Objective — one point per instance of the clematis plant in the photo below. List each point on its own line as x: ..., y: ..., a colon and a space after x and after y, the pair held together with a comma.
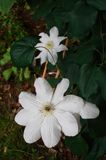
x: 50, y: 46
x: 49, y: 112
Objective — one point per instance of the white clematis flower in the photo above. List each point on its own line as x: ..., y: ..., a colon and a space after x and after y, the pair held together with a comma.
x: 49, y: 112
x: 50, y: 45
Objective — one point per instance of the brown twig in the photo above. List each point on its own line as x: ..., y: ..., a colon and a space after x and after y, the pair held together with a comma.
x: 45, y: 69
x: 57, y: 73
x: 66, y: 44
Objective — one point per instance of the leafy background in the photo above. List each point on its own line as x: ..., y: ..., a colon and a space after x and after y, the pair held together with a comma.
x: 84, y: 23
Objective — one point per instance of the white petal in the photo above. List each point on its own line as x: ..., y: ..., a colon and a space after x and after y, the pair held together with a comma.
x: 23, y: 117
x: 28, y: 101
x: 39, y: 56
x: 61, y: 48
x: 60, y: 90
x: 50, y: 131
x: 44, y: 37
x: 54, y: 32
x: 43, y: 89
x: 57, y: 40
x: 77, y: 116
x: 40, y: 46
x: 52, y: 58
x: 61, y: 38
x: 68, y: 123
x: 89, y: 111
x: 42, y: 56
x: 71, y: 103
x: 32, y: 131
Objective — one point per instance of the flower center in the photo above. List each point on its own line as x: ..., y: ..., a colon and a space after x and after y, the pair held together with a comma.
x: 47, y: 109
x: 49, y: 45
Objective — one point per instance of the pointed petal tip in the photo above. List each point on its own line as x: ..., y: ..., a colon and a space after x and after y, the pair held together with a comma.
x: 41, y: 34
x: 60, y: 90
x: 39, y: 56
x: 61, y: 48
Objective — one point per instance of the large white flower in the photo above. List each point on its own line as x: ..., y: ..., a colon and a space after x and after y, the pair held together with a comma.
x: 50, y: 45
x: 49, y: 112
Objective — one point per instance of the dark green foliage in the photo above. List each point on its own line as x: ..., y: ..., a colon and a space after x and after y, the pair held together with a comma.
x: 87, y: 80
x: 99, y: 4
x: 98, y: 149
x: 102, y: 80
x: 97, y: 126
x: 5, y: 5
x: 76, y: 16
x: 84, y: 64
x: 23, y: 52
x: 72, y: 72
x: 85, y: 55
x: 82, y: 18
x: 78, y: 145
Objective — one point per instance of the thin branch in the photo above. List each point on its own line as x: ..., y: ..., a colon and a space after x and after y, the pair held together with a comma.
x: 45, y: 69
x: 66, y: 44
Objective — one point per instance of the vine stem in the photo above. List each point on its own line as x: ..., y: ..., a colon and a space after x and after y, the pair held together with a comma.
x: 45, y: 69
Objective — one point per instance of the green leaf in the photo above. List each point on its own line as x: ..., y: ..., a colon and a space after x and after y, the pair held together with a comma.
x: 82, y: 18
x: 7, y: 74
x: 99, y: 129
x: 70, y: 69
x: 99, y: 4
x: 14, y: 69
x: 42, y: 8
x: 5, y: 5
x: 102, y: 80
x: 27, y: 73
x: 87, y: 81
x: 98, y: 149
x: 59, y: 15
x: 22, y: 52
x: 21, y: 74
x: 84, y: 55
x: 6, y: 58
x: 45, y: 8
x: 77, y: 145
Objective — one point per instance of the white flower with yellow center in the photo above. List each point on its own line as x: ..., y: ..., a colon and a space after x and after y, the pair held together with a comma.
x: 49, y: 112
x: 50, y: 45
